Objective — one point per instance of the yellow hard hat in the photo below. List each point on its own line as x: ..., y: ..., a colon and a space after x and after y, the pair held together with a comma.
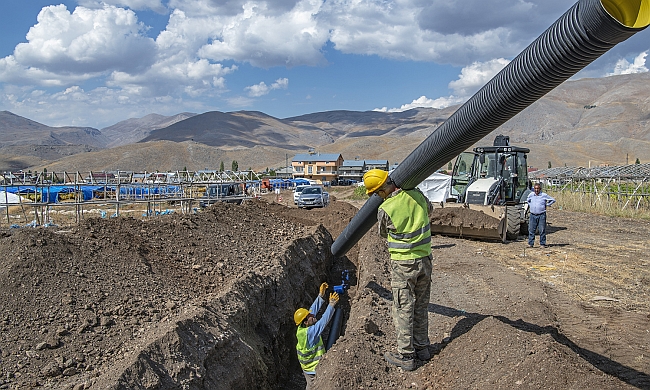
x: 300, y: 315
x: 374, y: 179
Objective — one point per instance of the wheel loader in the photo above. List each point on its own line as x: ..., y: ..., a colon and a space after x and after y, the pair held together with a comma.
x: 488, y: 195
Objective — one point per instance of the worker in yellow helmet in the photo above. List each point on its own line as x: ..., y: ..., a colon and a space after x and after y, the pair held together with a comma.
x: 310, y: 347
x: 404, y: 221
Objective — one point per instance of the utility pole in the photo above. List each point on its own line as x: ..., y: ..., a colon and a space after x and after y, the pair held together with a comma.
x: 286, y: 162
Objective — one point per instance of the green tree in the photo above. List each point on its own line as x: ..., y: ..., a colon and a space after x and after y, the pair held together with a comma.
x: 235, y: 166
x: 637, y: 161
x: 549, y: 165
x: 449, y: 166
x: 221, y: 167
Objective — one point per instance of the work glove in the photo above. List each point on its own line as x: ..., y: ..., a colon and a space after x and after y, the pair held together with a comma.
x: 334, y: 299
x: 323, y: 289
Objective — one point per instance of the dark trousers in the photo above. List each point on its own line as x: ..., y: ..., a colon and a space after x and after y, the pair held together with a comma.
x: 537, y: 222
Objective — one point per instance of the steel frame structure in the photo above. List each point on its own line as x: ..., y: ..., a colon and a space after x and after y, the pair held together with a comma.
x: 627, y: 185
x: 179, y: 188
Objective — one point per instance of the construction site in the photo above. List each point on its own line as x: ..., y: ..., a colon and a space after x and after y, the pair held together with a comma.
x: 205, y: 301
x: 204, y: 298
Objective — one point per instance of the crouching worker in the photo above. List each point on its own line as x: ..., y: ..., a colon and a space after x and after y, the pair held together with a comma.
x: 310, y: 347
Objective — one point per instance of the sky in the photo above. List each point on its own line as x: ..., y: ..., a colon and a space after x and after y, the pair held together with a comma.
x: 95, y: 63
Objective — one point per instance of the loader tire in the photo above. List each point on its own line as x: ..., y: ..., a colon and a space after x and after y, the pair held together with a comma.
x: 513, y: 214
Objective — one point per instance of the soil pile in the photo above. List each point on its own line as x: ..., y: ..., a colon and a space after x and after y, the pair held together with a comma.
x: 205, y: 301
x: 457, y: 216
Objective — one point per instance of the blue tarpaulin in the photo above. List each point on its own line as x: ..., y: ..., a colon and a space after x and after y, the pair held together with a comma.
x: 50, y: 194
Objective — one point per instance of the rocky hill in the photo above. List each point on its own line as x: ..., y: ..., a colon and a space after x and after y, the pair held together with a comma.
x: 580, y: 123
x: 16, y: 130
x: 134, y: 129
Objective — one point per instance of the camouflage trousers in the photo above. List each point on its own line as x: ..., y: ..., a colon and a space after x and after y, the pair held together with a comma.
x: 411, y: 285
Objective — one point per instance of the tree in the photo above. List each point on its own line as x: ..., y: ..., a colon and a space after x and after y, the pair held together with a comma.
x: 449, y: 166
x: 549, y: 165
x: 637, y: 161
x: 235, y: 166
x: 221, y: 167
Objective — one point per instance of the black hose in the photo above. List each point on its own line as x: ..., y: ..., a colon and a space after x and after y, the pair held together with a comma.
x: 577, y: 38
x: 335, y: 329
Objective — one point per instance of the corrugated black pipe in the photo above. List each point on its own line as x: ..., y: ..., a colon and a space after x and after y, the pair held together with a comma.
x: 577, y: 38
x: 335, y: 329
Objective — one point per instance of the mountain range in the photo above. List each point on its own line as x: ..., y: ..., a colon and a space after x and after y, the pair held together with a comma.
x: 580, y: 123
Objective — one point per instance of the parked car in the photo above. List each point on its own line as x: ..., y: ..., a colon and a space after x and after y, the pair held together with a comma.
x: 297, y: 191
x: 223, y: 192
x: 313, y: 196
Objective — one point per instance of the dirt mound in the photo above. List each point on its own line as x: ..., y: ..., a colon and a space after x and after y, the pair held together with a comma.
x: 205, y: 301
x: 458, y: 216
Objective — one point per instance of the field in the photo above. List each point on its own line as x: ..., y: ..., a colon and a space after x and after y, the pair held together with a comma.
x: 204, y: 301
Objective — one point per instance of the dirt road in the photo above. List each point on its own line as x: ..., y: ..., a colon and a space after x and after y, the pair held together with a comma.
x: 204, y: 301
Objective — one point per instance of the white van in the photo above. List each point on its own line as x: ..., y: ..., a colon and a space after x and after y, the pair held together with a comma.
x: 297, y: 191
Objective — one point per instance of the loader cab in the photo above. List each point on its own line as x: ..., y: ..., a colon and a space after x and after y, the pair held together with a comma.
x: 491, y: 175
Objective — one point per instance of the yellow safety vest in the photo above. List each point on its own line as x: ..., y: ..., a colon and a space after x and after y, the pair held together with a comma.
x: 308, y: 357
x: 411, y: 239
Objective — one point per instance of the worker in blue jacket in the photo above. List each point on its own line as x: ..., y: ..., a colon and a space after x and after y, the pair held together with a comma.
x: 310, y: 347
x: 537, y: 203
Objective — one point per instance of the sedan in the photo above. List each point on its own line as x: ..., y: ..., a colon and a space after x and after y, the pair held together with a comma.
x: 313, y: 196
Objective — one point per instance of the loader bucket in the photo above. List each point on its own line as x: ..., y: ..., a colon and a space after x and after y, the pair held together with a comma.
x: 470, y: 221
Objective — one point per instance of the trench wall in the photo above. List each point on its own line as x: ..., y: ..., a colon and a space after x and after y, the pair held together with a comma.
x: 242, y: 338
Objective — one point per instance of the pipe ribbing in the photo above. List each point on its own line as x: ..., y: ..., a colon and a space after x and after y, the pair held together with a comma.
x: 585, y: 32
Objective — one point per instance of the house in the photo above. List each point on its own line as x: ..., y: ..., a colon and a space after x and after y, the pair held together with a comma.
x: 284, y: 173
x: 376, y: 164
x: 317, y: 166
x: 351, y: 170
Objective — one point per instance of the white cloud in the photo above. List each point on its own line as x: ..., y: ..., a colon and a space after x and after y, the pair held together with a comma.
x: 442, y: 31
x: 425, y: 102
x: 85, y: 42
x: 154, y: 5
x: 473, y: 77
x: 262, y: 89
x: 265, y: 39
x: 205, y: 41
x: 99, y: 107
x: 470, y: 80
x: 624, y: 67
x: 171, y: 77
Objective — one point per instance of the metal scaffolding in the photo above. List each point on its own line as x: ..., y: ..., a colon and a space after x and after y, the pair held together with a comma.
x: 626, y: 186
x: 39, y: 193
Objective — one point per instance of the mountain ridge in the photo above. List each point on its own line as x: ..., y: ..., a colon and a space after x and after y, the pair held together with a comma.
x: 581, y: 122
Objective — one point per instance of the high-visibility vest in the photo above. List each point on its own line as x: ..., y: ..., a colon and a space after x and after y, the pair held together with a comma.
x: 411, y: 239
x: 308, y: 357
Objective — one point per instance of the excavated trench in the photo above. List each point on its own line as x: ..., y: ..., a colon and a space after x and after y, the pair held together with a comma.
x: 242, y: 337
x: 203, y: 301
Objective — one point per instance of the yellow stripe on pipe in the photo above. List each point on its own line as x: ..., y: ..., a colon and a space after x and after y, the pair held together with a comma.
x: 630, y: 13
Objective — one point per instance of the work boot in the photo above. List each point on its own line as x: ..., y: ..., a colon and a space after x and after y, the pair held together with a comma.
x: 423, y: 354
x: 406, y: 362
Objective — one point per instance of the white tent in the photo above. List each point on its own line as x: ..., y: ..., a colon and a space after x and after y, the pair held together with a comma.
x: 9, y: 198
x: 436, y: 187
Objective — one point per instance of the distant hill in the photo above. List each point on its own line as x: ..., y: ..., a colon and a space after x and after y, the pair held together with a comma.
x: 168, y: 155
x: 580, y: 123
x: 16, y: 130
x: 135, y: 129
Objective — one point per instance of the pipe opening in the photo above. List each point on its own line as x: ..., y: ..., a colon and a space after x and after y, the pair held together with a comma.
x: 630, y: 13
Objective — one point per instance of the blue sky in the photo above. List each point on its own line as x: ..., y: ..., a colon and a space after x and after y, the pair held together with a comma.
x: 95, y: 63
